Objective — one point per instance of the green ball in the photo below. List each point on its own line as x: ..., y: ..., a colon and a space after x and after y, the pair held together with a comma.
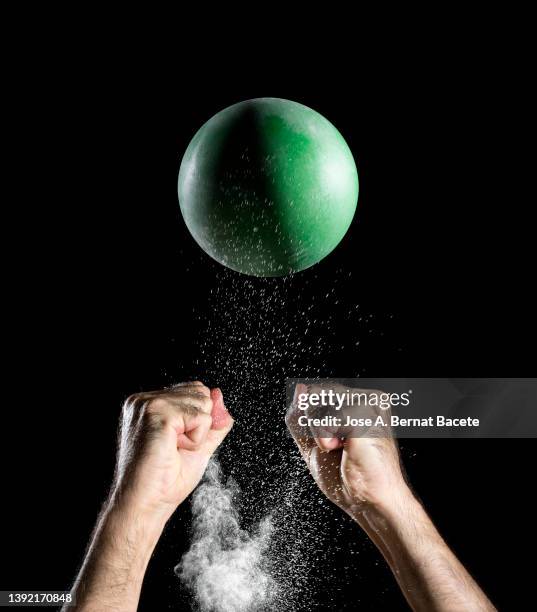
x: 268, y: 187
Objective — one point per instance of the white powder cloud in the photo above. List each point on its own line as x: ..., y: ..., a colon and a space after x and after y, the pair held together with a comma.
x: 226, y: 567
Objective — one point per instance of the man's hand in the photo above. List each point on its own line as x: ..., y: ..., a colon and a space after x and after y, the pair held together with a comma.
x: 357, y: 474
x: 363, y: 476
x: 166, y: 440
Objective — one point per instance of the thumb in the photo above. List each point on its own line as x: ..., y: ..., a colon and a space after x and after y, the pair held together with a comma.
x: 222, y: 421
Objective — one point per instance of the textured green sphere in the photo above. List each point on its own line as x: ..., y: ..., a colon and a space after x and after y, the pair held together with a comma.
x: 268, y: 187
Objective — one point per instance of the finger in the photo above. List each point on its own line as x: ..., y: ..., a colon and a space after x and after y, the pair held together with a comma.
x: 190, y: 400
x: 193, y: 434
x: 188, y: 383
x: 186, y: 426
x: 171, y: 410
x: 196, y: 388
x: 222, y: 421
x: 329, y: 444
x: 325, y: 442
x: 304, y: 442
x: 192, y: 387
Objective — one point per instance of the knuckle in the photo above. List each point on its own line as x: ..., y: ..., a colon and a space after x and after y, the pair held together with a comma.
x: 207, y: 403
x: 201, y: 387
x: 156, y: 421
x: 203, y: 390
x: 188, y: 409
x: 157, y: 405
x: 192, y: 387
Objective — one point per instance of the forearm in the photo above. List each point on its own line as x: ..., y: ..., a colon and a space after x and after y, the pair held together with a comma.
x: 112, y: 574
x: 165, y: 441
x: 429, y: 574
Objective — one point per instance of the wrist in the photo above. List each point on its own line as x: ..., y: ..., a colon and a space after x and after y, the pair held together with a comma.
x: 395, y: 518
x: 133, y: 500
x: 387, y: 506
x: 141, y: 523
x: 399, y: 507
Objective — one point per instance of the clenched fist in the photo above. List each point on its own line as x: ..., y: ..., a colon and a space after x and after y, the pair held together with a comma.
x: 356, y: 473
x: 166, y: 440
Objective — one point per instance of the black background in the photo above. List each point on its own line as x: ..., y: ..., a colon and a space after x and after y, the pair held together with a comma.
x: 107, y: 293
